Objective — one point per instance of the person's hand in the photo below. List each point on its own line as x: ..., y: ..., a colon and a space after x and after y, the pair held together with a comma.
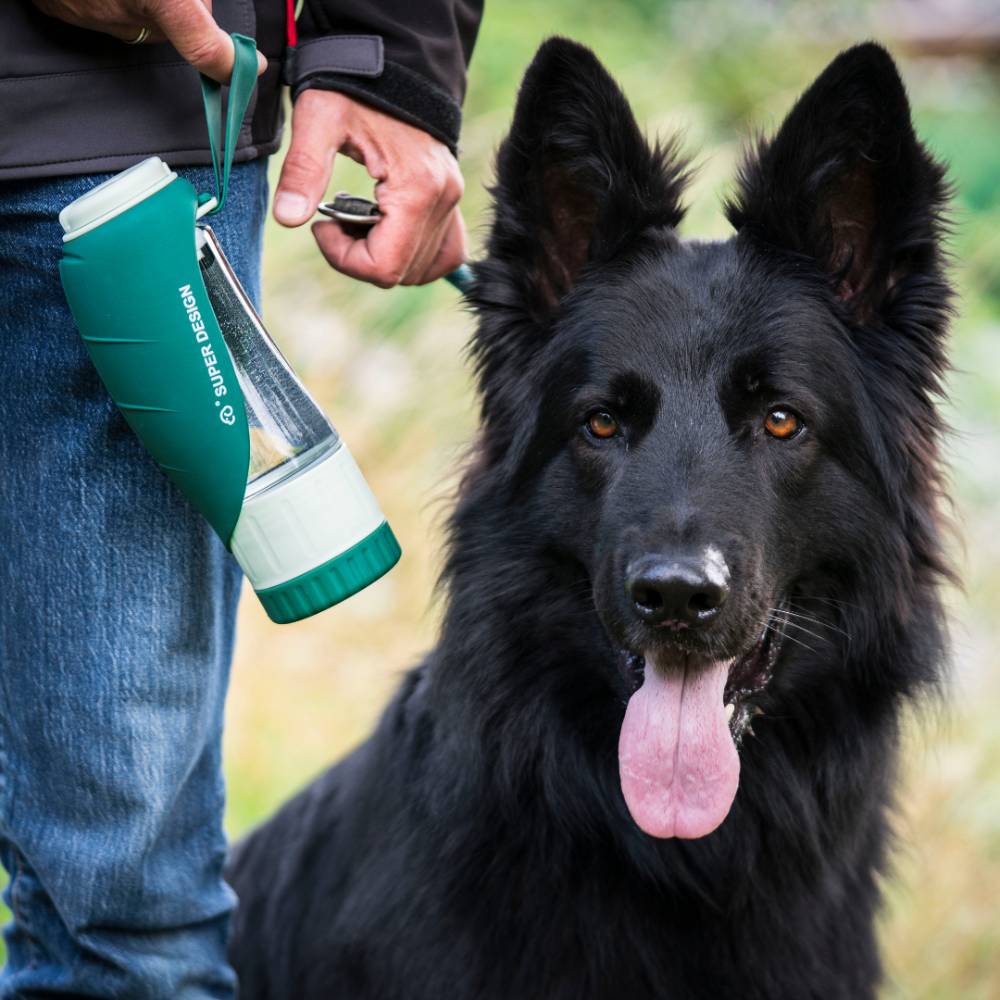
x: 187, y: 24
x: 418, y: 185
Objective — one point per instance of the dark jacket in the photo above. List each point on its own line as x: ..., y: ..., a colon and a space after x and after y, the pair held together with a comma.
x: 75, y: 101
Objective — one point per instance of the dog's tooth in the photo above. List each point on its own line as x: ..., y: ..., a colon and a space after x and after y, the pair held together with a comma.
x: 730, y: 708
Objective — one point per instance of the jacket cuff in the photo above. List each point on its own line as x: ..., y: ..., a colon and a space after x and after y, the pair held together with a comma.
x: 356, y: 65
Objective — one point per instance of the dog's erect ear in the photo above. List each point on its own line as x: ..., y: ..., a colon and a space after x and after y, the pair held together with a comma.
x: 575, y: 177
x: 846, y: 183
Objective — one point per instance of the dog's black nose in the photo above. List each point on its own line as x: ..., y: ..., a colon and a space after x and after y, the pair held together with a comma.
x: 677, y: 593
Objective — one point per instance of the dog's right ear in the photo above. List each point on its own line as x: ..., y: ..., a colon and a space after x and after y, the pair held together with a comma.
x: 576, y: 180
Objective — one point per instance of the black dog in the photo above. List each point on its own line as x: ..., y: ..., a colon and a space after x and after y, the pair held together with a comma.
x: 698, y: 549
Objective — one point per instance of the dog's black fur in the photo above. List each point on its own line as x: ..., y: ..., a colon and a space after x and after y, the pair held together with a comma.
x: 478, y: 847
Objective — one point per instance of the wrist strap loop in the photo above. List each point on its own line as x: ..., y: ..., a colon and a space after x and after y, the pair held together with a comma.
x: 241, y: 85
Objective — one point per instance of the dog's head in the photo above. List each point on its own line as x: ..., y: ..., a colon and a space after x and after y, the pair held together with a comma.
x: 727, y: 440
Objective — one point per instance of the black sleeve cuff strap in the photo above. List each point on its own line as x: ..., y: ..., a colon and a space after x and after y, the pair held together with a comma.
x: 360, y: 55
x: 355, y: 65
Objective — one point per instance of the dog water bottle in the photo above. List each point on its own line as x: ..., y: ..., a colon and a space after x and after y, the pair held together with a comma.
x: 187, y: 359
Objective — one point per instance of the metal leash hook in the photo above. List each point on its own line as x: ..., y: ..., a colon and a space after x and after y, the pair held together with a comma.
x: 351, y: 208
x: 354, y: 210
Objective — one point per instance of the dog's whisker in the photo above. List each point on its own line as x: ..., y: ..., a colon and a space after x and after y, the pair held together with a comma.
x: 802, y: 628
x: 793, y: 624
x: 798, y: 642
x: 780, y: 631
x: 814, y: 620
x: 789, y: 615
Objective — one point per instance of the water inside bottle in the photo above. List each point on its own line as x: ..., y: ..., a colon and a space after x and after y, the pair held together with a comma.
x: 288, y: 431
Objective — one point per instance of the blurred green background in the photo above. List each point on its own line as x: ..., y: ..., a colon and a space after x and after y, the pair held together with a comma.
x: 389, y: 368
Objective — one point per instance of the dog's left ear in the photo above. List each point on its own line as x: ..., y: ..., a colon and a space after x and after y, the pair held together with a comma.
x: 846, y: 183
x: 576, y: 179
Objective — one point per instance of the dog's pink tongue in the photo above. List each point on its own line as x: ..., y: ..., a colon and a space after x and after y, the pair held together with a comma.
x: 679, y: 767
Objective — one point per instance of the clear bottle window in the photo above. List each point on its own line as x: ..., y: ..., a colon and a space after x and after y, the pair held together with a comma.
x: 288, y: 431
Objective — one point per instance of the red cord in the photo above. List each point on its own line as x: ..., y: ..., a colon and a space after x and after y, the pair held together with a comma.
x: 291, y: 31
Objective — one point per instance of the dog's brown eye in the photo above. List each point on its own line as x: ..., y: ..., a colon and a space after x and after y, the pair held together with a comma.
x: 782, y: 424
x: 602, y: 424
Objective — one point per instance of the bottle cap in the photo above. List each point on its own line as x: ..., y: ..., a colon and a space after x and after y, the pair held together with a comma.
x: 314, y: 539
x: 335, y: 580
x: 114, y: 196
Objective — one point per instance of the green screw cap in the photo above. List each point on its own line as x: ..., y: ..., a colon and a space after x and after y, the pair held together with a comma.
x: 333, y: 581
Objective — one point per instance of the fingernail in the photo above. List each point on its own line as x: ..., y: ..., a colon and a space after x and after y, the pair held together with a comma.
x: 291, y: 207
x: 261, y: 62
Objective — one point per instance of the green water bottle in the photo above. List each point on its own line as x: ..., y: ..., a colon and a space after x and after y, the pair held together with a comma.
x: 187, y: 359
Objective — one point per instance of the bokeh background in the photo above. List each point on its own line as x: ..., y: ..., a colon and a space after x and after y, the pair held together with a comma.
x: 389, y: 368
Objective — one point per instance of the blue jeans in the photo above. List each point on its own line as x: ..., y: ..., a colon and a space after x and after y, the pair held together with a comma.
x: 117, y: 611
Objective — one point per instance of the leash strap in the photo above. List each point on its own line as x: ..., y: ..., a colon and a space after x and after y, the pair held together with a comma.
x: 223, y: 142
x: 462, y: 278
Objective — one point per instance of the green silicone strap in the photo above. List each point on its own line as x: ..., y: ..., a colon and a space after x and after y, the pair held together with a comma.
x: 241, y: 86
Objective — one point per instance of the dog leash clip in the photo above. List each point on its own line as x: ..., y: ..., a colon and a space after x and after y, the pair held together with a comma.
x: 353, y: 210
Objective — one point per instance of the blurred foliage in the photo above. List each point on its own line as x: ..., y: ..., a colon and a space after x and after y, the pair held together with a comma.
x: 389, y: 367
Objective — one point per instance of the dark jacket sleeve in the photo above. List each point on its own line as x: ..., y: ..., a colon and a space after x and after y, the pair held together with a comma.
x: 405, y: 57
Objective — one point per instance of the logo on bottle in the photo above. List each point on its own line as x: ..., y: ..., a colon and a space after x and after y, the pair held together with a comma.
x: 190, y: 304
